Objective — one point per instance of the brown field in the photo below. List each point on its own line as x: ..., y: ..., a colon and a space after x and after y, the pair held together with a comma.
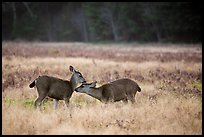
x: 169, y: 75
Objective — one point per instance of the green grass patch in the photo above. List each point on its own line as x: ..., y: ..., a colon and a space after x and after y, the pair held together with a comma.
x: 9, y: 101
x: 25, y: 102
x: 53, y: 51
x: 28, y: 102
x: 198, y: 85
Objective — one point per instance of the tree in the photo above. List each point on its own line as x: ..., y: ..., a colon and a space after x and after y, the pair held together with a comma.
x: 102, y: 21
x: 79, y: 20
x: 108, y: 16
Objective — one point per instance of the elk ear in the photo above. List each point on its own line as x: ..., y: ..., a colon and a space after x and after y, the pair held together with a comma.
x: 71, y: 68
x: 93, y: 84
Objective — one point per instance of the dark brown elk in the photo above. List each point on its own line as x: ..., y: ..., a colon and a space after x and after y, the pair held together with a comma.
x: 56, y: 88
x: 122, y: 89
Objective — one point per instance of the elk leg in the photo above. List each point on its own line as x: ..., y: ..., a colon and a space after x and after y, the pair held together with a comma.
x: 125, y: 100
x: 131, y: 98
x: 55, y: 103
x: 36, y: 101
x: 39, y: 99
x: 66, y: 100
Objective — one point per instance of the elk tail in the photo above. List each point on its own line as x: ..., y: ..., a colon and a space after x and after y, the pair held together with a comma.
x: 139, y: 89
x: 33, y: 83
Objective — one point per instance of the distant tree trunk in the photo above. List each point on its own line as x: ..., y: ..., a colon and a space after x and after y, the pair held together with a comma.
x: 114, y: 28
x: 79, y: 20
x: 51, y: 24
x: 151, y: 17
x: 158, y: 35
x: 108, y: 18
x: 156, y: 31
x: 28, y: 9
x: 48, y: 24
x: 14, y: 14
x: 84, y: 26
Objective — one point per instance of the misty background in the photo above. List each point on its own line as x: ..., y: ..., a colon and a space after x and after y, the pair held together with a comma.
x: 102, y: 21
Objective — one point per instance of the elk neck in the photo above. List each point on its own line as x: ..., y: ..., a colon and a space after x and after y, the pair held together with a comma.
x: 95, y: 92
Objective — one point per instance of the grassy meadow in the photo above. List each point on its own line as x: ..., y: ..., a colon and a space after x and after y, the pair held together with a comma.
x: 169, y: 76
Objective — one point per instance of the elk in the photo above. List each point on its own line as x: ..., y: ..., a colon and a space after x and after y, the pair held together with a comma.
x: 56, y: 88
x: 122, y: 89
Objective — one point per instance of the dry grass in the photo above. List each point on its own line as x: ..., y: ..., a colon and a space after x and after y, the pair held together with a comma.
x: 170, y: 114
x: 170, y: 101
